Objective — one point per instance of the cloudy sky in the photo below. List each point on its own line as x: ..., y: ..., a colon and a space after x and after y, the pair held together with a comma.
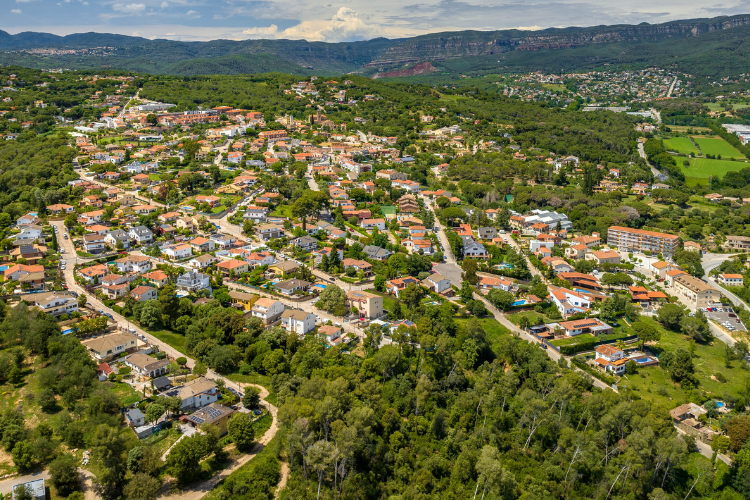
x: 334, y: 22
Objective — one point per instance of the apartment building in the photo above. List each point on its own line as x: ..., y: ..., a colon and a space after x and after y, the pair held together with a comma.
x: 639, y: 240
x: 738, y: 242
x: 696, y: 292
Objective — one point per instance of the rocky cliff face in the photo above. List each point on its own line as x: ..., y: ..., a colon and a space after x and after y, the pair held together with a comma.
x: 443, y: 46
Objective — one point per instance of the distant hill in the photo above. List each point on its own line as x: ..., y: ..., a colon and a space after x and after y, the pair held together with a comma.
x: 704, y: 47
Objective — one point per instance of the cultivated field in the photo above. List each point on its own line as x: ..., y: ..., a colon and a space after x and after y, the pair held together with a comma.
x: 717, y: 146
x: 682, y: 145
x: 703, y: 168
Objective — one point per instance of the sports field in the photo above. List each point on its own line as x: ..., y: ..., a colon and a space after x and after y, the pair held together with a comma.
x: 682, y: 145
x: 703, y: 168
x: 717, y: 146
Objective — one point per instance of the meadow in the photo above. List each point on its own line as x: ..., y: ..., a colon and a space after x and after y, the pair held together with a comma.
x: 682, y: 145
x: 717, y: 146
x: 703, y: 168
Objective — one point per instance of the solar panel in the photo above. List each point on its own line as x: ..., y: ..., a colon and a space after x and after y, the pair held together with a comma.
x: 213, y: 412
x: 196, y: 419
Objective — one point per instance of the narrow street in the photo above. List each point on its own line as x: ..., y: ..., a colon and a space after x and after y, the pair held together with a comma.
x: 196, y: 491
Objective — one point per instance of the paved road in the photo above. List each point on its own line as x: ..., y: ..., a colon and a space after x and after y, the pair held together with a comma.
x: 671, y: 89
x: 654, y: 170
x: 198, y: 490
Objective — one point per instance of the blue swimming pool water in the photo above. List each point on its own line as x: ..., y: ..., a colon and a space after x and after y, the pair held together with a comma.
x: 642, y: 360
x: 719, y: 404
x: 518, y: 303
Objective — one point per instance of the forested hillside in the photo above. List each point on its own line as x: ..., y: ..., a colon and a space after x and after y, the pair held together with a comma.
x: 706, y: 48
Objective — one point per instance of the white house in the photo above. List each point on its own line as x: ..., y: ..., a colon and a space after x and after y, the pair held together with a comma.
x: 29, y: 233
x: 195, y: 394
x: 177, y: 252
x: 93, y: 243
x: 569, y: 302
x: 731, y: 279
x: 474, y: 249
x: 611, y: 359
x: 112, y: 238
x: 437, y: 282
x: 300, y: 322
x: 134, y: 264
x: 268, y: 310
x: 369, y: 224
x: 256, y: 214
x: 490, y: 283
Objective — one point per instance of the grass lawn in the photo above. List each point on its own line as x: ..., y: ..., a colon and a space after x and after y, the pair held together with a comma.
x: 682, y: 145
x: 388, y: 209
x: 126, y: 393
x: 282, y: 211
x: 655, y: 383
x: 175, y: 340
x: 586, y: 337
x: 389, y: 301
x: 534, y: 318
x: 703, y: 168
x: 717, y: 146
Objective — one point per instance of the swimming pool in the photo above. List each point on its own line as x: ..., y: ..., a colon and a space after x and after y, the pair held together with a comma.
x: 518, y: 303
x: 719, y: 404
x: 643, y: 361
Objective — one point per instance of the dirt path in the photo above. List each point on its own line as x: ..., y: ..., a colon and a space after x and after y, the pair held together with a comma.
x: 197, y: 491
x: 282, y: 481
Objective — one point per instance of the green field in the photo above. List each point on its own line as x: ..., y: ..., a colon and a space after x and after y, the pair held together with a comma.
x: 683, y: 129
x: 682, y: 145
x: 717, y: 146
x: 703, y: 168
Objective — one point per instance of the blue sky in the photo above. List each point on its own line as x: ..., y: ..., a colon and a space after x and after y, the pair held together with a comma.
x: 333, y: 22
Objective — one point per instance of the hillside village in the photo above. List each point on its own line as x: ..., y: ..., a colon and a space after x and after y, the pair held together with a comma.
x: 185, y: 236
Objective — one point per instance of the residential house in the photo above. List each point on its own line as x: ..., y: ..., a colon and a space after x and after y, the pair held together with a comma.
x: 143, y: 293
x: 358, y: 265
x: 671, y: 275
x: 193, y: 282
x: 30, y: 253
x: 558, y: 265
x: 54, y: 303
x: 112, y: 238
x: 223, y: 241
x: 576, y: 252
x: 106, y: 347
x: 92, y: 274
x: 306, y: 243
x: 243, y: 300
x: 177, y: 252
x: 135, y: 418
x: 592, y: 326
x: 159, y: 278
x: 16, y: 272
x: 201, y: 244
x: 27, y: 220
x: 215, y: 415
x: 490, y: 283
x: 134, y: 264
x: 369, y: 306
x: 331, y: 334
x: 590, y: 241
x: 141, y: 235
x: 437, y: 283
x: 487, y: 233
x: 35, y: 489
x: 604, y: 256
x: 569, y: 302
x: 144, y: 365
x: 611, y: 359
x: 299, y: 322
x: 202, y: 261
x: 474, y: 249
x: 233, y: 267
x: 738, y: 242
x: 93, y: 243
x: 376, y: 253
x: 370, y: 224
x: 292, y: 286
x: 731, y: 279
x: 195, y: 394
x: 283, y: 268
x: 396, y: 286
x: 270, y: 231
x: 29, y: 234
x: 269, y: 310
x: 256, y: 214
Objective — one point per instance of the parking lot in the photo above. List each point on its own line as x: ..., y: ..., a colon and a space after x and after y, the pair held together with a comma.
x: 722, y: 316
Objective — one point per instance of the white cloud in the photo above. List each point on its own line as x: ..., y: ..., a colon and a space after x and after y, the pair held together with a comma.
x: 192, y: 14
x: 24, y: 1
x: 135, y: 9
x: 344, y: 25
x: 261, y: 32
x: 164, y: 5
x: 16, y: 11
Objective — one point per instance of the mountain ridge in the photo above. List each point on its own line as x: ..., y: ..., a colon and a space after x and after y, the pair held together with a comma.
x: 365, y: 57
